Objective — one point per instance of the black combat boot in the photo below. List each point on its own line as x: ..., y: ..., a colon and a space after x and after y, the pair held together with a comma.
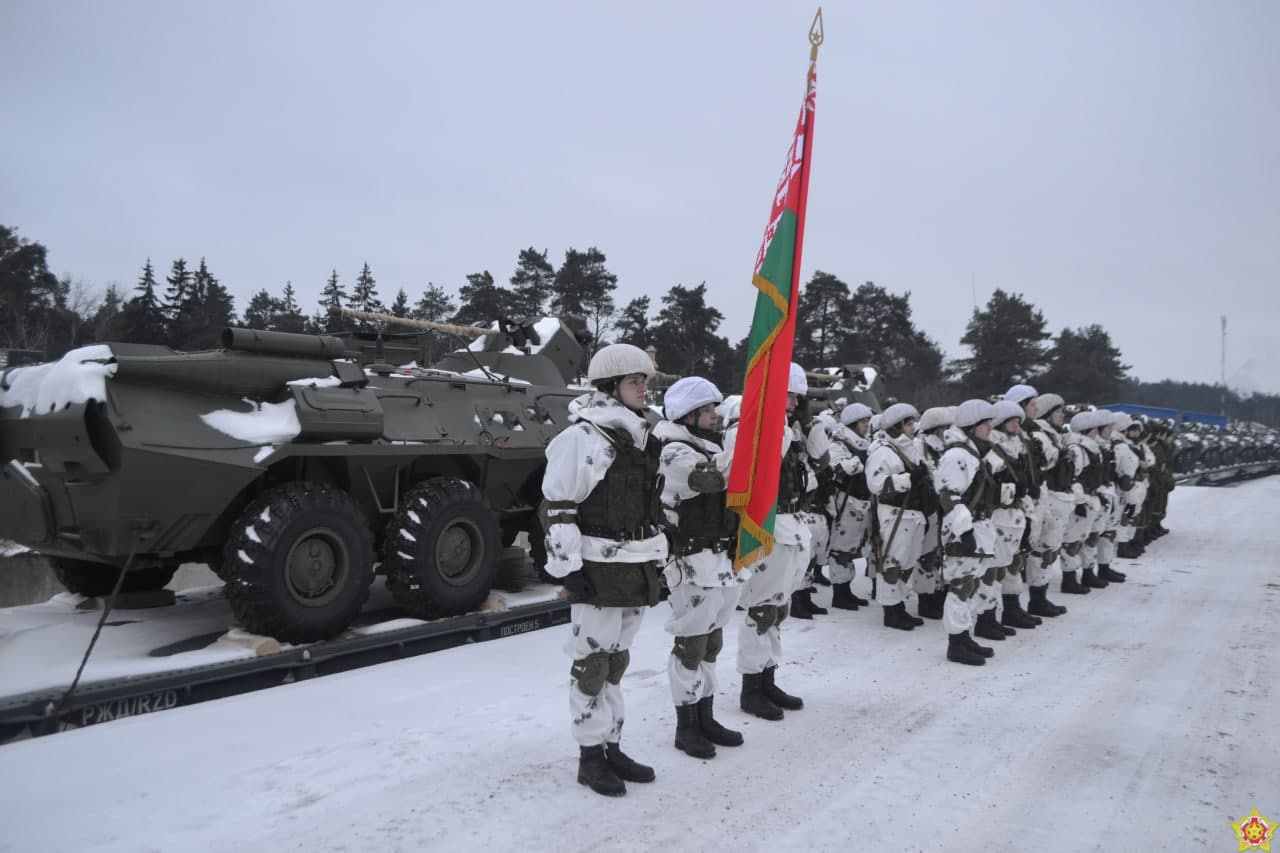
x: 754, y: 701
x: 1110, y: 575
x: 960, y: 651
x: 689, y: 737
x: 1156, y: 530
x: 895, y: 616
x: 1091, y: 580
x: 819, y: 578
x: 1014, y: 616
x: 1126, y: 551
x: 985, y: 651
x: 711, y: 727
x: 777, y: 695
x: 842, y: 597
x: 915, y: 621
x: 594, y: 772
x: 930, y: 605
x: 801, y: 605
x: 627, y: 768
x: 1040, y: 604
x: 1072, y: 586
x: 987, y: 627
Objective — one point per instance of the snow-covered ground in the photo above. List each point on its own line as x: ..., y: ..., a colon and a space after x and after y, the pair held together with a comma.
x: 1144, y: 719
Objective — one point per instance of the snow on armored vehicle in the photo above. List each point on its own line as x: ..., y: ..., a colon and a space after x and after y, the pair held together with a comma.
x: 288, y: 466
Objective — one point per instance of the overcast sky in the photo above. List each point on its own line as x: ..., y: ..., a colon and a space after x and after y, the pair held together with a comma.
x: 1116, y: 162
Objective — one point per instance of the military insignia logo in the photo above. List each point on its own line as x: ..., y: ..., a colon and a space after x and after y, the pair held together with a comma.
x: 1255, y: 832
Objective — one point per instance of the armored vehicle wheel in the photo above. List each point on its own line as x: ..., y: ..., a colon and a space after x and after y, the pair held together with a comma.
x: 97, y: 579
x: 442, y: 549
x: 298, y: 563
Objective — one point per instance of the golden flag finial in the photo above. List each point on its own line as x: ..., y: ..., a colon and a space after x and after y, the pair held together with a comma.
x: 815, y: 36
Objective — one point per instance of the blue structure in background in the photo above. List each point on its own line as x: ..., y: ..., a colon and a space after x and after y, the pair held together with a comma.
x: 1219, y: 421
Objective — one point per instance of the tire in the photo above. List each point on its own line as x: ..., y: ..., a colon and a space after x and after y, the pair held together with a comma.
x: 442, y: 548
x: 98, y: 579
x: 298, y: 563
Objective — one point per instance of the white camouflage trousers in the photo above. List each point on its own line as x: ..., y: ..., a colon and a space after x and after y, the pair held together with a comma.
x: 848, y: 535
x: 599, y: 643
x: 772, y: 582
x: 963, y: 578
x: 903, y: 547
x: 1009, y: 523
x: 696, y: 612
x: 819, y: 550
x: 1109, y: 522
x: 1131, y: 507
x: 1054, y: 509
x: 1077, y: 553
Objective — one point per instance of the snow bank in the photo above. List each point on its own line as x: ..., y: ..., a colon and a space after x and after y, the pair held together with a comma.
x: 11, y: 549
x: 78, y: 377
x: 265, y: 423
x: 317, y: 382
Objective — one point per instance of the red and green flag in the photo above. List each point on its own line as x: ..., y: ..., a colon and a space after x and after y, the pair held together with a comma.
x: 757, y: 456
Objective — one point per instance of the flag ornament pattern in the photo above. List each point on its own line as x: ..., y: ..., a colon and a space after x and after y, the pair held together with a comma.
x: 753, y: 474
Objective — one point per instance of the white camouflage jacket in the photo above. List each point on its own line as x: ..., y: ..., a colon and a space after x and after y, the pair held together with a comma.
x: 577, y: 460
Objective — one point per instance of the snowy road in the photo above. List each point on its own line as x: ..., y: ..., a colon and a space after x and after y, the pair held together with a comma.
x: 1144, y: 719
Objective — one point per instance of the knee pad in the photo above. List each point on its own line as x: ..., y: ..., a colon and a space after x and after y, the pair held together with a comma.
x: 964, y: 587
x: 989, y: 576
x: 690, y: 651
x: 618, y: 662
x: 906, y: 574
x: 1091, y: 540
x: 715, y: 642
x: 1000, y: 571
x: 930, y: 562
x: 590, y: 672
x: 891, y: 574
x: 764, y: 615
x: 1110, y: 534
x: 1072, y: 548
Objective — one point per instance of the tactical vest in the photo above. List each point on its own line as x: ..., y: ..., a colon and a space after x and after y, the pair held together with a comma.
x: 1034, y: 458
x: 1013, y: 471
x: 706, y: 522
x: 921, y: 496
x: 1059, y: 477
x: 983, y: 495
x: 856, y: 484
x: 1091, y: 477
x: 627, y: 502
x: 1107, y: 471
x: 792, y: 482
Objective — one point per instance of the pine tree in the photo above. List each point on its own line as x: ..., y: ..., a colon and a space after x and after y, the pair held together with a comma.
x: 1007, y: 341
x: 1084, y: 365
x: 435, y: 305
x: 175, y: 294
x: 532, y: 283
x: 685, y: 335
x: 400, y: 308
x: 364, y: 296
x: 142, y: 320
x: 261, y: 311
x: 105, y: 323
x: 879, y: 330
x: 821, y: 314
x: 333, y: 298
x: 290, y: 318
x: 633, y: 323
x: 481, y: 300
x: 28, y: 291
x: 584, y: 286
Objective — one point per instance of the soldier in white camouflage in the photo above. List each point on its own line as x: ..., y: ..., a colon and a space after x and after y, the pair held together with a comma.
x: 850, y: 502
x: 903, y: 489
x: 967, y: 494
x: 931, y: 590
x: 1012, y: 467
x: 703, y: 586
x: 603, y: 517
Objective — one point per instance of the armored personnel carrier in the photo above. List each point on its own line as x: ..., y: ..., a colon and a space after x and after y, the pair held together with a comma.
x: 290, y: 464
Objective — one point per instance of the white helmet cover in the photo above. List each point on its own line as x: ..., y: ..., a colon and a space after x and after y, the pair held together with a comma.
x: 855, y: 412
x: 938, y: 416
x: 1005, y: 410
x: 1020, y: 394
x: 687, y: 394
x: 972, y: 412
x: 1046, y: 403
x: 618, y: 360
x: 797, y: 382
x: 896, y: 414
